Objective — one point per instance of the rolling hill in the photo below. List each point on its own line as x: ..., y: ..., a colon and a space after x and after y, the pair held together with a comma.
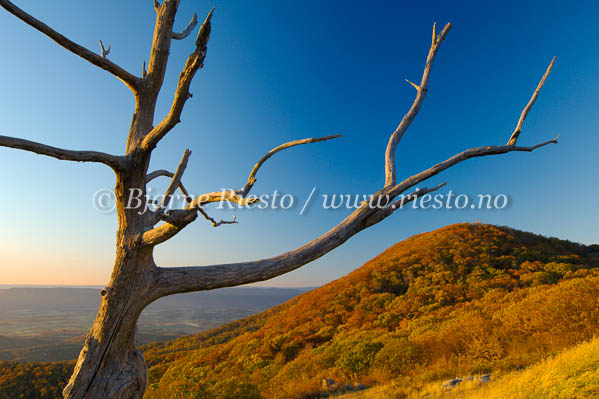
x: 465, y: 299
x: 462, y: 300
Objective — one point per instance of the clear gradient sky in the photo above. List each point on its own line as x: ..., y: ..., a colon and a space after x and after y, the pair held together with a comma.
x: 281, y: 70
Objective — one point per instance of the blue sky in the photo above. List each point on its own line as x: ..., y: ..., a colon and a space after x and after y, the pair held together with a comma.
x: 277, y: 71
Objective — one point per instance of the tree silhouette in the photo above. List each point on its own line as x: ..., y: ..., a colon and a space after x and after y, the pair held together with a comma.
x: 109, y: 366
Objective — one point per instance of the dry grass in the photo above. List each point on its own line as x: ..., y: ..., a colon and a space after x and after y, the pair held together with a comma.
x: 573, y: 374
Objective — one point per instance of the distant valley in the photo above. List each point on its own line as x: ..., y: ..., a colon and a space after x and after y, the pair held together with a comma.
x: 454, y: 304
x: 50, y: 323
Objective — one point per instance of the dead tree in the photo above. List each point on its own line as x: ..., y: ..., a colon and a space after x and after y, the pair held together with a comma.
x: 109, y: 366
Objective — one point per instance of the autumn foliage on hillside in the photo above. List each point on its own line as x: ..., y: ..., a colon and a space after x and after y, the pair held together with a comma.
x: 33, y: 380
x: 460, y: 300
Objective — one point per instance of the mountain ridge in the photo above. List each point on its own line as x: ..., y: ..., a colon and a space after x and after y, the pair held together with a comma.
x: 461, y: 300
x: 352, y: 329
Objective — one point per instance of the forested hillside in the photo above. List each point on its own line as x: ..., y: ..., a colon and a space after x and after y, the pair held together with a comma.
x: 33, y: 380
x: 461, y: 300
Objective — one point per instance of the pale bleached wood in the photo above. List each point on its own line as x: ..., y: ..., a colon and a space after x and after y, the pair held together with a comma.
x: 358, y: 220
x: 166, y: 173
x: 177, y: 220
x: 187, y: 30
x: 173, y: 226
x: 176, y: 180
x: 194, y: 278
x: 153, y: 78
x: 172, y: 280
x: 222, y: 196
x: 161, y: 44
x: 240, y: 196
x: 158, y: 173
x: 514, y: 137
x: 194, y: 62
x: 114, y: 161
x: 109, y: 366
x: 421, y: 91
x: 104, y: 51
x: 252, y: 178
x: 98, y: 60
x: 462, y: 156
x: 198, y: 278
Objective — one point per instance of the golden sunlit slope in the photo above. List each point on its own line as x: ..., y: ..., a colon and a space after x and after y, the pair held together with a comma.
x: 460, y: 300
x: 571, y: 374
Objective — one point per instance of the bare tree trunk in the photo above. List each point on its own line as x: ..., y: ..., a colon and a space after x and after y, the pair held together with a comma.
x: 109, y: 366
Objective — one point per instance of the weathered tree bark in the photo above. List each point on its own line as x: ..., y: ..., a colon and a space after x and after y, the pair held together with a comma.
x: 109, y: 366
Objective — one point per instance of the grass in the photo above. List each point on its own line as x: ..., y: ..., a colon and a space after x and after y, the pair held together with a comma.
x: 572, y: 374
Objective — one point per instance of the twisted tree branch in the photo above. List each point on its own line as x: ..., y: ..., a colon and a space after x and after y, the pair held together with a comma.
x: 174, y: 226
x: 252, y: 178
x: 174, y: 280
x: 98, y: 60
x: 187, y: 30
x: 186, y: 279
x: 114, y: 161
x: 240, y: 196
x: 195, y: 278
x: 214, y: 222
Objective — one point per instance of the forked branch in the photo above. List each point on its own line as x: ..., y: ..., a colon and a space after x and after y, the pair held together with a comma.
x: 195, y: 278
x: 186, y: 279
x: 240, y: 196
x: 98, y: 60
x: 454, y: 160
x: 194, y: 62
x: 104, y: 51
x: 409, y: 117
x: 173, y: 280
x: 173, y: 226
x: 161, y: 46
